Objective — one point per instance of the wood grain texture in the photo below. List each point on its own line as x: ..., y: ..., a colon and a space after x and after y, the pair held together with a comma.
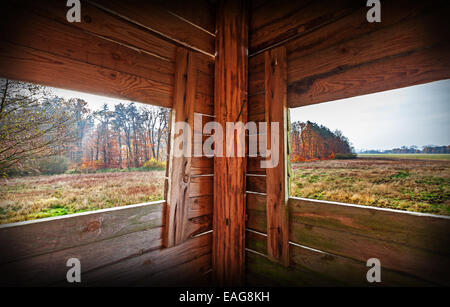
x: 50, y: 268
x: 349, y: 57
x: 146, y: 269
x: 26, y: 239
x: 413, y: 244
x: 230, y: 100
x: 407, y: 69
x: 152, y: 16
x: 256, y: 183
x: 201, y: 13
x: 180, y: 166
x: 293, y: 19
x: 31, y: 65
x: 325, y: 269
x: 97, y: 22
x: 276, y: 173
x: 31, y: 30
x: 256, y: 212
x: 355, y: 25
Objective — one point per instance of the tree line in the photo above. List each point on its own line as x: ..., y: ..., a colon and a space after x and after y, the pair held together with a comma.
x: 310, y: 141
x: 43, y: 133
x: 428, y: 149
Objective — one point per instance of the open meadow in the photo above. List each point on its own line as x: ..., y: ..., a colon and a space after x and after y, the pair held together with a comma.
x: 27, y: 198
x: 405, y: 184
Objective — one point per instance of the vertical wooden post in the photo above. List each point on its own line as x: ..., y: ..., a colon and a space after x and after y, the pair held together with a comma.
x: 230, y: 105
x: 276, y: 177
x: 180, y: 167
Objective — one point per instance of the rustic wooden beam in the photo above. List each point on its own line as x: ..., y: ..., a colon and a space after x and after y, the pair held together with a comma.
x: 230, y: 100
x: 276, y: 175
x: 180, y: 166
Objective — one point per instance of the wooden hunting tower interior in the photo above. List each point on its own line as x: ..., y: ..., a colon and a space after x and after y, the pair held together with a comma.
x: 226, y: 220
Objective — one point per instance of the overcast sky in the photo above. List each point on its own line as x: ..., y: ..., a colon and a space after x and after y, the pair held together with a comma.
x: 417, y: 115
x: 95, y: 102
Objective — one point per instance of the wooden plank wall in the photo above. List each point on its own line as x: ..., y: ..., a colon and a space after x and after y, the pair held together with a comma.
x: 334, y: 53
x: 110, y: 52
x: 119, y: 246
x: 128, y: 52
x: 331, y: 242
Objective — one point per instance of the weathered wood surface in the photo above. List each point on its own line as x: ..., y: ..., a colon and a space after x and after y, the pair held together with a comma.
x: 316, y: 268
x: 277, y: 22
x: 31, y: 65
x: 201, y: 13
x: 104, y: 25
x: 51, y: 268
x: 256, y: 212
x: 276, y: 173
x: 411, y: 243
x: 32, y: 238
x: 140, y: 270
x: 190, y: 177
x: 405, y: 53
x: 412, y: 68
x: 34, y: 31
x: 154, y: 17
x: 180, y: 165
x: 120, y: 246
x: 230, y: 105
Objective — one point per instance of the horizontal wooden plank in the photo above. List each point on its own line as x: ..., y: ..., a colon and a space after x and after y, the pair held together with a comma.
x: 260, y: 271
x: 198, y: 225
x: 256, y: 212
x: 271, y: 11
x: 198, y: 12
x: 32, y: 238
x: 413, y: 34
x: 155, y: 18
x: 256, y: 184
x: 201, y: 186
x: 30, y: 65
x: 192, y: 273
x: 105, y: 25
x: 355, y: 25
x: 411, y: 68
x: 140, y: 270
x: 254, y: 165
x: 411, y: 243
x: 202, y: 165
x: 298, y: 20
x: 256, y: 74
x: 419, y: 231
x: 205, y: 84
x: 31, y: 30
x: 332, y: 270
x: 256, y: 108
x: 200, y: 206
x: 204, y: 104
x: 51, y: 267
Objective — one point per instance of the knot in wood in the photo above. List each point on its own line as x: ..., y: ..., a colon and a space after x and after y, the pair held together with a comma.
x: 93, y: 226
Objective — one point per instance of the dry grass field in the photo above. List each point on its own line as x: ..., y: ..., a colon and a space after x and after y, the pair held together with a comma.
x: 414, y: 185
x: 30, y: 198
x: 405, y: 184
